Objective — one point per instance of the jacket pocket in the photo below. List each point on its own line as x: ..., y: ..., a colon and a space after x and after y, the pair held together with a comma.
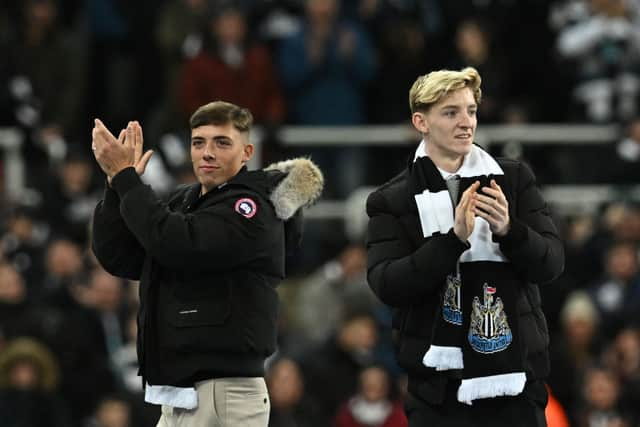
x: 209, y: 307
x: 233, y: 314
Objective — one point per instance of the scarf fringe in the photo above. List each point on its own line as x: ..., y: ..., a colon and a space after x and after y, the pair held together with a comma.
x: 492, y: 386
x: 443, y: 358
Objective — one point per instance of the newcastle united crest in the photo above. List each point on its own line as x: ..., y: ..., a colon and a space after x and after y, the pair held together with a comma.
x: 452, y: 301
x: 489, y: 331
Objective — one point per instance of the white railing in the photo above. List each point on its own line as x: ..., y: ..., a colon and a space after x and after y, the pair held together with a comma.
x: 486, y: 135
x: 565, y: 199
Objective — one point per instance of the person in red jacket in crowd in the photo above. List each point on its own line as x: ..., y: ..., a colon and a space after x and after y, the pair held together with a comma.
x: 373, y: 405
x: 231, y: 67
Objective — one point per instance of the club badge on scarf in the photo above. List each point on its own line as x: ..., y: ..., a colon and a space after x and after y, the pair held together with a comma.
x: 475, y: 328
x: 489, y: 330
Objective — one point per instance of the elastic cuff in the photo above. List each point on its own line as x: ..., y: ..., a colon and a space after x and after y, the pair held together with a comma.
x: 125, y: 180
x: 465, y: 245
x: 517, y: 233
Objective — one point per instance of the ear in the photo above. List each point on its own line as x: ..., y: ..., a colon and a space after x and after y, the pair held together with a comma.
x: 247, y: 153
x: 419, y: 121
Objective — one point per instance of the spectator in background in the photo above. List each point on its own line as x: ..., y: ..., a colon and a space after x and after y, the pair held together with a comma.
x: 474, y: 47
x: 617, y: 293
x: 112, y: 411
x: 179, y: 34
x: 29, y: 377
x: 404, y: 51
x: 105, y: 294
x: 404, y: 35
x: 325, y: 68
x: 64, y: 265
x: 23, y: 245
x: 74, y: 331
x: 520, y: 36
x: 628, y: 229
x: 618, y: 221
x: 70, y: 197
x: 17, y: 314
x: 290, y: 404
x: 374, y: 404
x: 121, y: 59
x: 604, y: 48
x: 622, y: 357
x: 231, y: 67
x: 601, y: 401
x: 335, y: 289
x: 331, y: 371
x: 580, y: 230
x: 574, y: 348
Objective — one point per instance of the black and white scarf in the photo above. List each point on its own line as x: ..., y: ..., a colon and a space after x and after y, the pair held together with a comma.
x: 476, y: 324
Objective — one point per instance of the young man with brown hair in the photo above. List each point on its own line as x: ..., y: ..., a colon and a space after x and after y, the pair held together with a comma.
x: 208, y: 261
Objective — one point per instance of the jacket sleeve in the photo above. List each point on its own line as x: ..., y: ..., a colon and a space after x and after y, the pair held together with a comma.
x: 398, y: 274
x: 532, y: 243
x: 215, y: 237
x: 115, y: 247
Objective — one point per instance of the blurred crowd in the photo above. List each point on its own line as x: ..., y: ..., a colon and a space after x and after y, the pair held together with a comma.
x: 67, y: 328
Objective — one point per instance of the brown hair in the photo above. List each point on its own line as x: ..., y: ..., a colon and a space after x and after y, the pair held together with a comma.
x: 221, y: 113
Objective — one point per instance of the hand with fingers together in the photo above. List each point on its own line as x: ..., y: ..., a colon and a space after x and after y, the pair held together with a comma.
x: 465, y: 217
x: 113, y: 155
x: 494, y: 208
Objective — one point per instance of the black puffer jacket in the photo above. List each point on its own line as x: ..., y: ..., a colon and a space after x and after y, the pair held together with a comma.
x: 208, y: 267
x: 406, y: 270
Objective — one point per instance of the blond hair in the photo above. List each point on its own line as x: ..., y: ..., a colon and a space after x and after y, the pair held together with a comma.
x: 431, y: 88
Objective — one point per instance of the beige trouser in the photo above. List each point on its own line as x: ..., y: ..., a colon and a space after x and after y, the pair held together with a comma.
x: 223, y: 402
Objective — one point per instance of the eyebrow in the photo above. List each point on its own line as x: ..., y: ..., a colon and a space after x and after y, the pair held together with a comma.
x: 215, y: 138
x: 457, y: 107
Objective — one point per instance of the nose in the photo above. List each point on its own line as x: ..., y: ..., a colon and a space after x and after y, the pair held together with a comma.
x: 466, y: 120
x: 209, y: 150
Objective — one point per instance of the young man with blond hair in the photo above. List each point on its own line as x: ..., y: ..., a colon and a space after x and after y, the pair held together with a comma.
x: 457, y: 245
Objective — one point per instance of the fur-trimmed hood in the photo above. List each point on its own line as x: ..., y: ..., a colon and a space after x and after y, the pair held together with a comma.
x: 37, y: 354
x: 300, y: 186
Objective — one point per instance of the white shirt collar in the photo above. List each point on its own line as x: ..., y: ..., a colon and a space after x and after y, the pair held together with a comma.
x: 421, y: 151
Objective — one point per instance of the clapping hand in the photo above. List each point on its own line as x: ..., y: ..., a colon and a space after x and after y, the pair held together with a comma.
x: 494, y: 208
x: 113, y: 155
x: 464, y: 219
